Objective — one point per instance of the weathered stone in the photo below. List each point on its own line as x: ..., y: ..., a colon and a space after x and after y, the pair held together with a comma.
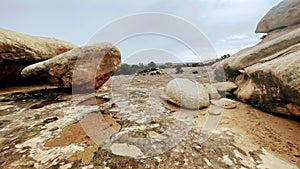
x: 295, y: 110
x: 224, y: 103
x: 83, y: 68
x: 282, y: 15
x: 126, y: 150
x: 273, y: 85
x: 186, y: 93
x: 262, y: 52
x: 225, y: 86
x: 212, y: 91
x: 270, y: 78
x: 18, y: 50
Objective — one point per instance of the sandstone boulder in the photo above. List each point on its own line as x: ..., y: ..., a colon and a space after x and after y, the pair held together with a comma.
x: 225, y: 86
x: 83, y: 68
x: 19, y: 50
x: 282, y: 15
x: 267, y: 74
x: 186, y: 93
x: 273, y: 85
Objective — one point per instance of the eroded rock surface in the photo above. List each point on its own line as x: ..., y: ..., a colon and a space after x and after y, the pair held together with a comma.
x: 267, y: 73
x: 212, y: 91
x: 284, y: 14
x: 18, y: 50
x: 83, y: 68
x: 225, y: 86
x: 97, y: 130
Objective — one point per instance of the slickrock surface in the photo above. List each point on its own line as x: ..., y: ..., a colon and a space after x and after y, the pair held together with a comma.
x: 129, y: 125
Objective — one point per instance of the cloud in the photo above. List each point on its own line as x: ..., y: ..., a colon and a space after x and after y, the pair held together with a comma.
x: 227, y: 24
x: 233, y: 50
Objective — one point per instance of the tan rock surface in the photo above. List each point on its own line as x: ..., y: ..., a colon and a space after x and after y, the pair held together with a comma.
x: 186, y: 93
x: 225, y: 86
x: 212, y: 91
x: 18, y: 50
x: 284, y: 14
x: 267, y: 73
x: 274, y: 84
x: 238, y: 138
x: 259, y: 53
x: 18, y: 46
x: 83, y: 68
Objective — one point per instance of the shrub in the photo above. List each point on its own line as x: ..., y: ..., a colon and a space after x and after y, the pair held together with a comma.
x: 126, y: 69
x: 179, y: 69
x: 152, y: 65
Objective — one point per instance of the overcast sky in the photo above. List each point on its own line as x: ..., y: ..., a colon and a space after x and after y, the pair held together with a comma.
x: 227, y: 25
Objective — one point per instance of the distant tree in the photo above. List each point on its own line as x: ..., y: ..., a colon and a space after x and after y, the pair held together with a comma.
x: 126, y: 69
x: 178, y: 69
x: 162, y: 66
x: 135, y: 66
x: 141, y: 65
x: 168, y: 64
x: 225, y: 56
x: 152, y: 65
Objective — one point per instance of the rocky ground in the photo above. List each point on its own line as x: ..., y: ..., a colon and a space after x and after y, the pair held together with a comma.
x: 128, y: 124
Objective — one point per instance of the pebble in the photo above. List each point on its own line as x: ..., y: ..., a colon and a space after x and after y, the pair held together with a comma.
x: 31, y: 134
x: 54, y: 128
x: 197, y: 147
x: 207, y: 162
x: 227, y: 160
x: 225, y: 86
x: 158, y: 159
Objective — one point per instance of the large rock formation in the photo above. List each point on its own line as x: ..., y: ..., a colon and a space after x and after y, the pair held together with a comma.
x: 83, y: 68
x: 267, y: 74
x: 284, y: 14
x: 18, y: 51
